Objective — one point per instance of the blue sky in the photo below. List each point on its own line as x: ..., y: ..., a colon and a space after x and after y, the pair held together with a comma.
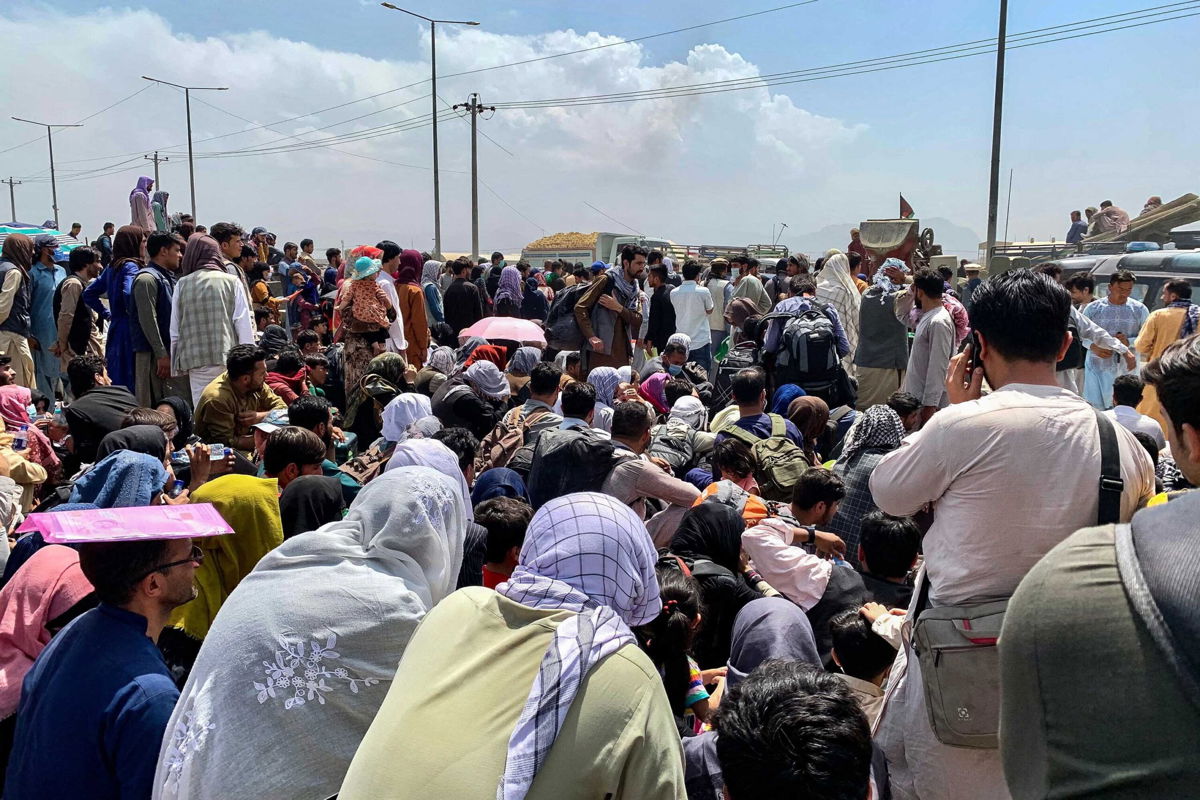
x: 1089, y: 119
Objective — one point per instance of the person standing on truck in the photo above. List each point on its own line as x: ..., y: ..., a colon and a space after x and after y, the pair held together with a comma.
x: 609, y: 311
x: 1078, y: 228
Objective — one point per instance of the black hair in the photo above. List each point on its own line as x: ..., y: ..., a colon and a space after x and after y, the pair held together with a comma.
x: 1176, y: 376
x: 1080, y: 282
x: 889, y: 544
x: 159, y: 241
x: 498, y: 254
x: 290, y: 246
x: 82, y: 372
x: 929, y: 282
x: 1180, y: 288
x: 148, y: 416
x: 308, y: 411
x: 733, y: 456
x: 654, y: 257
x: 1022, y: 314
x: 224, y: 231
x: 291, y: 445
x: 316, y: 360
x: 544, y: 378
x: 677, y: 388
x: 659, y: 271
x: 304, y: 338
x: 855, y: 259
x: 305, y: 242
x: 573, y: 359
x: 116, y: 568
x: 444, y: 335
x: 247, y: 252
x: 1147, y: 442
x: 506, y: 520
x: 748, y: 385
x: 1127, y: 390
x: 1053, y: 270
x: 631, y: 251
x: 815, y: 486
x: 630, y: 420
x: 331, y: 252
x: 260, y: 314
x: 1121, y: 276
x: 242, y: 359
x: 792, y: 730
x: 460, y: 266
x: 860, y: 652
x: 903, y: 403
x: 107, y: 225
x: 578, y: 399
x: 946, y: 273
x: 390, y: 250
x: 668, y: 637
x: 289, y: 361
x: 691, y: 270
x: 802, y: 284
x: 82, y: 257
x: 461, y: 442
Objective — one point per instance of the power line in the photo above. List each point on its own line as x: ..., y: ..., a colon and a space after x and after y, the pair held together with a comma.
x: 80, y: 121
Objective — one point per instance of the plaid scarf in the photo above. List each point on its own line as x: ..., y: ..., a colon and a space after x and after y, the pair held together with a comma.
x: 1190, y: 318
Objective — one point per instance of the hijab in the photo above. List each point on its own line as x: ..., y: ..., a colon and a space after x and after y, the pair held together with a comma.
x: 122, y: 479
x: 442, y: 359
x: 653, y: 389
x: 877, y: 428
x: 383, y: 379
x: 48, y: 585
x: 435, y: 455
x: 690, y: 410
x: 183, y: 419
x: 712, y: 531
x: 430, y: 272
x: 810, y: 415
x: 524, y: 360
x: 510, y: 286
x: 148, y: 439
x: 605, y: 381
x: 142, y: 188
x: 355, y: 591
x: 587, y: 553
x: 739, y: 310
x: 404, y: 409
x: 534, y: 304
x: 487, y: 352
x: 202, y: 252
x: 127, y: 245
x: 784, y: 396
x: 308, y: 502
x: 488, y: 379
x: 18, y: 248
x: 499, y: 482
x: 410, y: 268
x: 769, y: 628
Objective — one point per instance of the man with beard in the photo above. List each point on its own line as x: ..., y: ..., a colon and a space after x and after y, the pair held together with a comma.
x: 610, y: 310
x: 153, y: 299
x: 77, y: 331
x: 315, y: 414
x: 237, y: 400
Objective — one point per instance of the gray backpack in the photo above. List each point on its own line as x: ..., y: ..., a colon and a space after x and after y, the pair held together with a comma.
x: 956, y: 645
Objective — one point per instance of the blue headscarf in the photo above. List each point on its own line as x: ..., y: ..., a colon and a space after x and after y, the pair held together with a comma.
x: 498, y: 482
x: 784, y: 396
x: 120, y: 480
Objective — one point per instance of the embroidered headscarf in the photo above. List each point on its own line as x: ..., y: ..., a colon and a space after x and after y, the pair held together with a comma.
x: 435, y: 455
x: 877, y: 428
x: 510, y: 286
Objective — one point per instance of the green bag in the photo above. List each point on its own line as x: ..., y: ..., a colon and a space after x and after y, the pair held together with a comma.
x: 778, y: 462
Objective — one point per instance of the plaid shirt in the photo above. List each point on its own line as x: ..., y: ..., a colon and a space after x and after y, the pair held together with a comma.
x: 858, y: 501
x: 204, y: 307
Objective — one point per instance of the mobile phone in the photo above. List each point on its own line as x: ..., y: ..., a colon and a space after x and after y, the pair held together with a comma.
x: 973, y: 359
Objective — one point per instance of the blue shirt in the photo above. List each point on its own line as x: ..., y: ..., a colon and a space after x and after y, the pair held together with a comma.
x: 1077, y: 231
x: 43, y: 281
x: 798, y: 305
x: 93, y: 711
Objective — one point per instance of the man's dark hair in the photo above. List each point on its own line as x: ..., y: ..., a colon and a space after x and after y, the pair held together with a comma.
x: 1148, y: 444
x: 815, y: 486
x: 148, y: 416
x: 1105, y: 203
x: 748, y: 385
x: 1080, y: 282
x: 717, y: 270
x: 752, y: 263
x: 1176, y: 376
x: 691, y: 270
x: 889, y: 544
x: 946, y: 273
x: 390, y: 249
x: 929, y: 282
x: 288, y: 362
x: 314, y: 361
x: 247, y: 252
x: 733, y: 456
x: 1022, y: 314
x: 792, y: 730
x: 460, y: 267
x: 305, y: 242
x: 631, y: 251
x: 260, y: 314
x: 855, y: 259
x: 743, y: 260
x: 659, y: 271
x: 573, y: 359
x: 309, y: 411
x: 630, y: 420
x: 675, y: 349
x: 1121, y: 276
x: 903, y: 403
x: 1127, y: 390
x: 161, y: 241
x: 498, y: 254
x: 578, y: 399
x: 224, y: 231
x: 116, y: 568
x: 544, y: 378
x: 1180, y: 288
x: 861, y: 652
x: 801, y: 284
x: 82, y: 257
x: 1053, y: 270
x: 461, y: 442
x: 290, y: 246
x: 444, y: 335
x: 292, y: 445
x: 506, y: 520
x: 108, y: 225
x: 305, y: 338
x: 654, y: 257
x: 241, y: 360
x: 677, y: 388
x: 82, y: 372
x: 331, y: 252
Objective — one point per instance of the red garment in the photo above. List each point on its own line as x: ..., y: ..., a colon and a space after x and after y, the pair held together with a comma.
x: 492, y: 579
x: 488, y: 352
x: 865, y: 266
x: 289, y: 387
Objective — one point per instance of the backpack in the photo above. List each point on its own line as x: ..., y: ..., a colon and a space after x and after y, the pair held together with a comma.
x: 808, y: 352
x: 738, y: 358
x: 499, y: 446
x: 367, y: 465
x: 730, y: 494
x: 562, y: 329
x: 566, y: 461
x: 778, y: 462
x: 674, y: 441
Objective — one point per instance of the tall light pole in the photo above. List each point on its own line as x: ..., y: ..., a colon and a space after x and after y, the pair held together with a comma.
x: 187, y: 99
x: 997, y: 118
x: 433, y: 96
x: 50, y: 141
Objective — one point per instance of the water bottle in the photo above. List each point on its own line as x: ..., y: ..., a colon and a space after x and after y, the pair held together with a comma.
x: 177, y: 489
x: 180, y: 458
x: 21, y: 438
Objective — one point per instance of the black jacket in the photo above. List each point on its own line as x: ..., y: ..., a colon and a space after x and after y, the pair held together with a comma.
x: 662, y: 318
x: 462, y: 305
x: 94, y: 415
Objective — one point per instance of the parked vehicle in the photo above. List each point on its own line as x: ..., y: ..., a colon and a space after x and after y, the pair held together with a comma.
x: 1152, y: 270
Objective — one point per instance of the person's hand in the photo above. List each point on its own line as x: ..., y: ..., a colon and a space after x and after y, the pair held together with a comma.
x: 709, y: 676
x: 828, y: 544
x: 597, y: 344
x: 1100, y: 352
x: 410, y: 374
x: 34, y: 344
x: 1122, y: 338
x: 181, y: 500
x: 873, y: 611
x: 1130, y: 361
x: 55, y: 350
x: 609, y: 302
x: 200, y: 461
x: 248, y: 419
x: 961, y: 387
x: 42, y: 423
x: 661, y: 464
x: 895, y: 274
x: 338, y: 434
x: 162, y: 367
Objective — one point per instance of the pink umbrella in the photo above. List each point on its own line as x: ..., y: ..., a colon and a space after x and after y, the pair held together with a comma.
x: 509, y: 328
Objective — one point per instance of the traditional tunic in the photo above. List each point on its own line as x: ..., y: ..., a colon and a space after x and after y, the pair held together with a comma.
x: 1100, y: 373
x: 1161, y: 329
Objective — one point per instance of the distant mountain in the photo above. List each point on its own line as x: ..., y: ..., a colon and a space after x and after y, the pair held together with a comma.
x: 954, y: 239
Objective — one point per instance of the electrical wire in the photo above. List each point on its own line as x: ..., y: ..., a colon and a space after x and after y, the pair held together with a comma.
x: 81, y: 121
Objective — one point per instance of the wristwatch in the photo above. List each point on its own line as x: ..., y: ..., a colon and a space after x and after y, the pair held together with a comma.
x: 812, y: 534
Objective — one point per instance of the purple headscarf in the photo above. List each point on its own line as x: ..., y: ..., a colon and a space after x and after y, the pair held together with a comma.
x: 143, y: 187
x: 510, y: 286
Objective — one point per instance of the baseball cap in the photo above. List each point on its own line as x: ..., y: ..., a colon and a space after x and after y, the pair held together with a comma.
x: 599, y: 266
x: 274, y: 421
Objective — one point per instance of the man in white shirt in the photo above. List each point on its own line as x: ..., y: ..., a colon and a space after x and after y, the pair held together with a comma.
x: 1009, y: 476
x: 692, y: 304
x: 1127, y: 393
x: 932, y: 347
x: 389, y: 262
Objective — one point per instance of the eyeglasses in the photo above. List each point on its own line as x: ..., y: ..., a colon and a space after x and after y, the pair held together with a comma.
x: 197, y: 556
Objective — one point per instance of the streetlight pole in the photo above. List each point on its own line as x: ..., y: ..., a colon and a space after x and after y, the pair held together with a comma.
x: 997, y: 117
x: 187, y: 99
x: 50, y: 141
x: 437, y: 183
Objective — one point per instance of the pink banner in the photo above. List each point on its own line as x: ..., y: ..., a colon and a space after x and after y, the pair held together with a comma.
x: 128, y: 524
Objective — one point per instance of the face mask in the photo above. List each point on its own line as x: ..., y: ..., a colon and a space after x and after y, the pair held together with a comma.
x: 674, y: 369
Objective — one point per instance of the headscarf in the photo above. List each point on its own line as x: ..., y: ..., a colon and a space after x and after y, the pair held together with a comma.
x: 487, y: 352
x: 127, y: 245
x: 837, y: 288
x: 680, y: 338
x: 410, y: 268
x: 1190, y: 317
x: 202, y: 252
x: 885, y: 284
x: 148, y: 439
x: 468, y: 347
x: 488, y: 379
x: 784, y: 396
x: 654, y: 390
x: 18, y: 248
x: 605, y: 381
x: 425, y: 427
x: 877, y: 428
x: 183, y: 419
x: 809, y: 414
x: 142, y: 188
x: 383, y: 380
x: 251, y: 507
x: 274, y: 340
x: 404, y: 409
x: 122, y: 479
x: 499, y: 482
x: 560, y: 360
x: 712, y: 531
x: 14, y: 403
x: 333, y: 610
x: 510, y: 286
x: 767, y: 628
x: 690, y: 410
x: 308, y: 502
x: 524, y: 360
x: 587, y: 553
x: 435, y: 455
x: 442, y: 359
x: 430, y: 272
x: 739, y: 310
x: 625, y: 373
x: 48, y: 585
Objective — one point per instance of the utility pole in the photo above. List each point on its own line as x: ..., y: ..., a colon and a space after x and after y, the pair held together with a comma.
x: 12, y: 197
x: 50, y: 141
x: 433, y: 96
x: 187, y: 99
x: 156, y: 158
x: 1008, y: 208
x: 997, y: 118
x: 473, y: 105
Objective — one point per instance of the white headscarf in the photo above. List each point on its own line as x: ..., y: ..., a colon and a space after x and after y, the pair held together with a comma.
x: 432, y: 453
x: 690, y: 410
x: 404, y: 409
x: 587, y: 553
x: 297, y: 663
x: 839, y: 290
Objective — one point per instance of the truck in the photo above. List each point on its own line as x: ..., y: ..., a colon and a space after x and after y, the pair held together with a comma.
x: 587, y: 248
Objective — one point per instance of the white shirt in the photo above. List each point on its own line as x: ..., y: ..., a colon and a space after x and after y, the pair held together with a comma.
x: 692, y: 304
x: 1129, y: 417
x: 932, y: 347
x: 396, y: 341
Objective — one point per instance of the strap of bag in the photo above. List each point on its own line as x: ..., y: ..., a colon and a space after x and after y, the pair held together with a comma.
x: 778, y: 426
x: 741, y: 435
x: 1111, y: 485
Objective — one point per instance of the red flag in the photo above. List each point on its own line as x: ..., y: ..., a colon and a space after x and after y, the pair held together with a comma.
x: 906, y: 211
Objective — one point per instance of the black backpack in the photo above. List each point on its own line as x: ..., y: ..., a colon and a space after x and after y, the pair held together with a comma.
x: 738, y: 358
x: 566, y: 461
x: 808, y: 352
x: 674, y: 441
x: 562, y: 329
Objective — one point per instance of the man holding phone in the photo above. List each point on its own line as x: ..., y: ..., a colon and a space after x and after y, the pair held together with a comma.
x: 932, y: 347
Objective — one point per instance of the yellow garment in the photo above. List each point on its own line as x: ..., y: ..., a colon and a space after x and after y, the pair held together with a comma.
x: 1160, y: 330
x: 251, y: 507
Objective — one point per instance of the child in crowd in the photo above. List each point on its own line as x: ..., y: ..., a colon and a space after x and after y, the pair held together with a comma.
x: 887, y: 553
x: 864, y: 657
x: 506, y: 520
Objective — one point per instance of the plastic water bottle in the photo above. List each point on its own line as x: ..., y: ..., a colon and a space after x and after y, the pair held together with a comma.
x: 21, y: 438
x: 177, y: 489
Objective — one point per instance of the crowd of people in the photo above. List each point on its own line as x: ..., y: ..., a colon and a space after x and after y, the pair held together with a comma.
x: 705, y: 532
